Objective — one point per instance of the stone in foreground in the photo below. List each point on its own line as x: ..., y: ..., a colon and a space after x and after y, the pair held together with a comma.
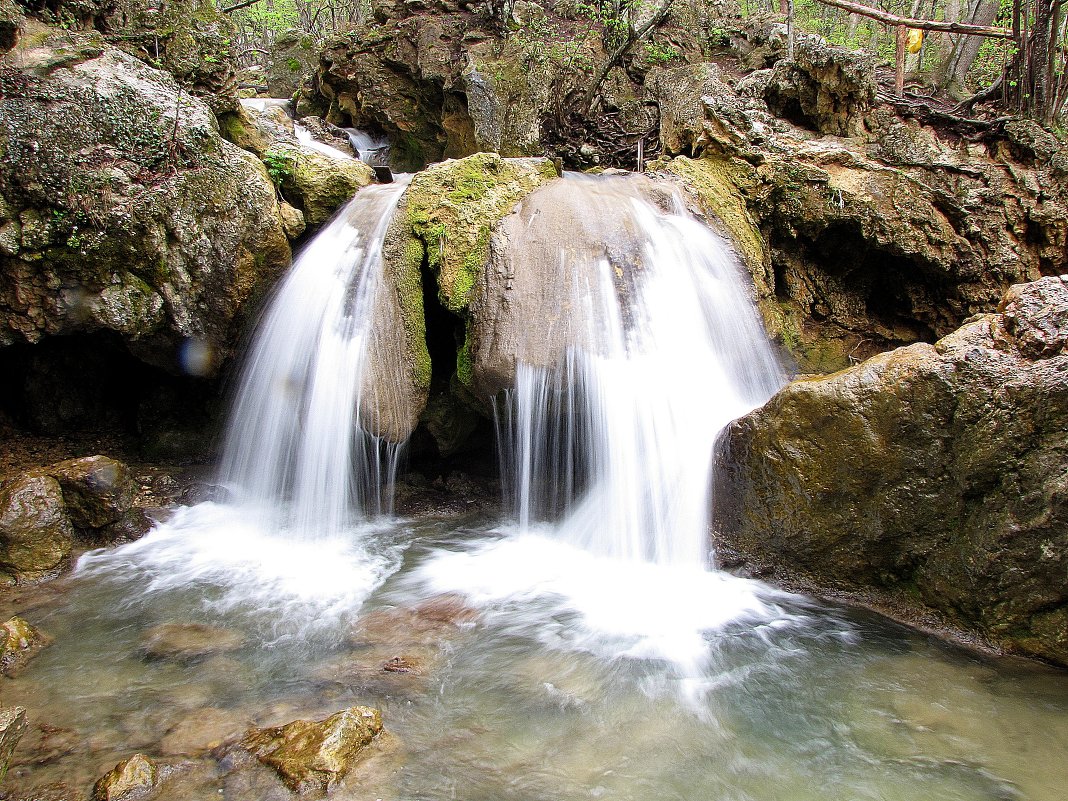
x: 19, y: 642
x: 129, y: 779
x: 311, y: 757
x: 12, y: 727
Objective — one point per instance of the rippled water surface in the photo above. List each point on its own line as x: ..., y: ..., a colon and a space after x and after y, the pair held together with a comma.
x: 521, y: 669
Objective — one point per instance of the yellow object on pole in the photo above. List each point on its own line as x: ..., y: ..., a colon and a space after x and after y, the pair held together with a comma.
x: 915, y: 40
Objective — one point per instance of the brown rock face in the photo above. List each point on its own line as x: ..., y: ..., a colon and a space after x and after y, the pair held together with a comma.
x: 36, y: 535
x: 311, y: 757
x: 12, y: 727
x: 936, y: 473
x: 129, y: 779
x: 19, y: 642
x: 97, y: 490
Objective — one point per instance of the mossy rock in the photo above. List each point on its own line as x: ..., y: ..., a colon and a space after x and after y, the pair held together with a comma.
x: 452, y: 207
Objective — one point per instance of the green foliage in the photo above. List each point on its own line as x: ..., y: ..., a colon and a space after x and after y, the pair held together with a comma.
x: 656, y: 53
x: 279, y: 166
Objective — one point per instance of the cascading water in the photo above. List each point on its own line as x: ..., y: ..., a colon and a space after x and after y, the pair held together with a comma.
x: 295, y: 435
x: 644, y: 346
x: 296, y: 546
x: 663, y: 349
x: 584, y: 651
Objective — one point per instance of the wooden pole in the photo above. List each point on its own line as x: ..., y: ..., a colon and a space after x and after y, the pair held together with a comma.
x: 899, y: 68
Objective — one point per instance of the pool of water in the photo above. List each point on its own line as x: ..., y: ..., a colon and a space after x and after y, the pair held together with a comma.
x: 512, y: 666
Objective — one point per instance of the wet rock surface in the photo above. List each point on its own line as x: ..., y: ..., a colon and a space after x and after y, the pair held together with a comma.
x: 311, y: 757
x: 19, y: 642
x: 36, y: 535
x: 934, y: 472
x: 130, y: 779
x: 123, y: 208
x: 12, y: 727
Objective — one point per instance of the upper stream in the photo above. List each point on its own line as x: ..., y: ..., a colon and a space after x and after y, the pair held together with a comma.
x: 582, y: 647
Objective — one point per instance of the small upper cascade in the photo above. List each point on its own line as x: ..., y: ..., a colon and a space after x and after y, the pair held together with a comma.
x: 301, y: 444
x: 369, y: 150
x: 647, y: 345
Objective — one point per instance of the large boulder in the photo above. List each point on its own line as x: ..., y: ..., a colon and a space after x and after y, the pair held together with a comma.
x: 36, y: 535
x: 444, y: 225
x: 121, y: 207
x: 935, y: 473
x: 312, y: 756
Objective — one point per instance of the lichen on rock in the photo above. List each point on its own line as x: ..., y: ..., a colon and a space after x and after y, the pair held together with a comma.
x: 133, y: 214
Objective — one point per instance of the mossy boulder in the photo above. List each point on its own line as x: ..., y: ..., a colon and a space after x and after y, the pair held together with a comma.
x: 36, y: 534
x: 97, y: 490
x: 443, y: 225
x: 294, y: 57
x: 314, y: 180
x: 934, y: 473
x: 312, y: 756
x: 133, y: 215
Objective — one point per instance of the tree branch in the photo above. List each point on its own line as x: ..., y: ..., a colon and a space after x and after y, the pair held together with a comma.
x: 922, y: 24
x: 239, y: 6
x: 619, y: 52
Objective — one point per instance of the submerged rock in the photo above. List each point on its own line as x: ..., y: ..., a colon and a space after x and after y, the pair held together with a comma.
x: 36, y: 535
x: 19, y: 642
x: 188, y: 642
x: 935, y: 473
x: 129, y: 779
x: 311, y: 757
x: 12, y: 727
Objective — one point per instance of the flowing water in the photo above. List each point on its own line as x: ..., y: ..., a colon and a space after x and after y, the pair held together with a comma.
x: 583, y: 649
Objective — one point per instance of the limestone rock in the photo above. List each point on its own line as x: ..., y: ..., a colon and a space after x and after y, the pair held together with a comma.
x: 188, y: 642
x: 36, y: 535
x: 935, y: 473
x: 129, y: 779
x: 134, y: 215
x: 12, y: 727
x: 444, y: 223
x: 97, y: 490
x: 294, y: 56
x: 311, y: 757
x: 19, y: 642
x: 312, y: 179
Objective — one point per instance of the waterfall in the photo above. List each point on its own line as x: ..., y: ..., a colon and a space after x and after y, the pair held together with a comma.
x: 294, y: 435
x: 658, y: 347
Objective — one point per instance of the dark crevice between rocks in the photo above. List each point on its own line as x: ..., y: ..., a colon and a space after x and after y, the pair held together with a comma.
x: 451, y: 434
x: 88, y: 388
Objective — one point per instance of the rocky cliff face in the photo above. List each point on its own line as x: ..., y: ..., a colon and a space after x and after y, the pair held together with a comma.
x: 122, y: 207
x: 936, y: 472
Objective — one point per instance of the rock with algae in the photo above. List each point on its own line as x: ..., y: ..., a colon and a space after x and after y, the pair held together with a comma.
x: 122, y: 207
x: 934, y: 473
x: 19, y: 642
x: 313, y: 756
x: 36, y: 534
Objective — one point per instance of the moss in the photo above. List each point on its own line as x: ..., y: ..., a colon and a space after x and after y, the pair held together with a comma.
x: 407, y: 279
x: 451, y: 210
x: 464, y: 368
